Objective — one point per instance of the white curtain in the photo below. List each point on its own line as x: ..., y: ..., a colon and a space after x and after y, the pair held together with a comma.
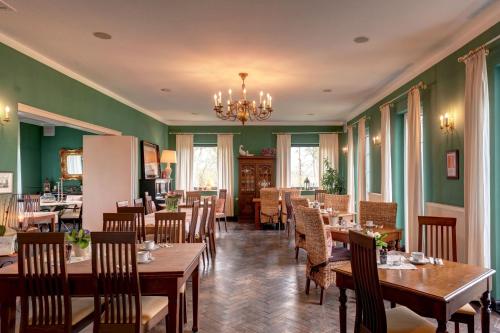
x: 385, y: 153
x: 361, y: 160
x: 225, y: 170
x: 283, y: 160
x: 350, y: 169
x: 184, y: 167
x: 477, y: 159
x: 414, y: 206
x: 328, y: 149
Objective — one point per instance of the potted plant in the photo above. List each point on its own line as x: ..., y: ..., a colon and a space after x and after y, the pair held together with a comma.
x: 379, y: 241
x: 331, y: 180
x: 80, y: 241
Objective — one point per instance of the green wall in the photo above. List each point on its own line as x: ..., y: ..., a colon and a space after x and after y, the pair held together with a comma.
x: 25, y: 80
x: 445, y: 93
x: 31, y: 157
x: 253, y: 138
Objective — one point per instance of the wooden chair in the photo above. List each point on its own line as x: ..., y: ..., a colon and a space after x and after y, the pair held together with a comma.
x: 32, y: 202
x: 170, y: 227
x: 269, y: 205
x: 140, y: 224
x: 202, y: 236
x: 320, y: 263
x: 337, y: 202
x: 211, y: 225
x: 319, y: 195
x: 71, y: 215
x: 437, y: 237
x: 150, y: 204
x: 300, y: 233
x: 123, y: 203
x: 381, y: 213
x: 371, y: 315
x: 114, y: 268
x: 181, y: 193
x: 220, y: 211
x: 44, y: 289
x: 138, y: 202
x: 287, y: 199
x: 283, y: 191
x: 194, y: 222
x: 118, y: 222
x: 191, y: 197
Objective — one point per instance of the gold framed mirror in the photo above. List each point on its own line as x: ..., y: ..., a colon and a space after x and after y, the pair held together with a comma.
x: 71, y: 163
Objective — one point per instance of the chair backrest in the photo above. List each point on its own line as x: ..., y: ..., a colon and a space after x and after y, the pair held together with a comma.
x: 150, y: 204
x: 194, y: 221
x: 437, y: 237
x: 32, y: 202
x: 181, y: 193
x: 192, y: 196
x: 204, y: 218
x: 220, y: 204
x: 338, y: 202
x: 299, y: 221
x: 211, y: 215
x: 366, y: 283
x: 138, y: 202
x: 379, y: 212
x: 319, y: 195
x: 317, y: 248
x: 289, y: 207
x: 123, y: 203
x: 269, y: 201
x: 116, y: 282
x: 293, y: 193
x: 140, y: 224
x: 118, y: 222
x: 222, y: 194
x: 44, y: 287
x: 170, y: 227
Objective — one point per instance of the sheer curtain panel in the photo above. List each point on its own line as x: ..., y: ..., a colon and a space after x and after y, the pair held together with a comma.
x: 350, y: 169
x: 328, y: 149
x: 385, y: 153
x: 225, y: 169
x: 361, y: 160
x: 184, y: 167
x: 283, y: 160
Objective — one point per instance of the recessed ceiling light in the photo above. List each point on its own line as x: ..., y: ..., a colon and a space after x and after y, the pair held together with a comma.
x: 166, y: 90
x: 327, y: 90
x: 102, y: 35
x: 309, y: 114
x: 361, y: 39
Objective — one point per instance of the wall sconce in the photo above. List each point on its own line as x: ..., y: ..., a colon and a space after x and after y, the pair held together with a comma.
x: 345, y: 149
x: 376, y: 140
x: 446, y: 123
x: 6, y: 115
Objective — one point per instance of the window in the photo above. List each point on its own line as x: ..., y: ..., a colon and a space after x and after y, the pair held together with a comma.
x: 305, y: 164
x: 205, y: 168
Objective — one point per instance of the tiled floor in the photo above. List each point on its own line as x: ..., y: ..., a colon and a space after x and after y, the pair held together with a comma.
x: 255, y: 285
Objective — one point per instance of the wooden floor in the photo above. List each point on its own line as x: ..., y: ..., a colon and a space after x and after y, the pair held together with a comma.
x: 255, y: 285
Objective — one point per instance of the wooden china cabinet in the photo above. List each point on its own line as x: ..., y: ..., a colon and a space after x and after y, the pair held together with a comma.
x: 255, y: 172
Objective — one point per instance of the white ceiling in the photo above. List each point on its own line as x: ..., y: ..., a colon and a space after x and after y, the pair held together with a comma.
x: 292, y: 48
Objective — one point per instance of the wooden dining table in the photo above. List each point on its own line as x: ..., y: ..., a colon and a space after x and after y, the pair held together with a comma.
x: 162, y: 277
x: 393, y: 234
x: 433, y: 291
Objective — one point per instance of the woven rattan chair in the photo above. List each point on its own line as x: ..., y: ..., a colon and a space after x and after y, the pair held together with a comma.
x: 320, y: 263
x: 370, y: 309
x: 287, y: 199
x: 381, y: 213
x: 294, y: 192
x: 300, y: 233
x: 319, y: 195
x: 269, y: 205
x: 337, y: 202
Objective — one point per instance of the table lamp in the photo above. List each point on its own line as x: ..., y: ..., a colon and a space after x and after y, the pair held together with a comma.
x: 167, y: 157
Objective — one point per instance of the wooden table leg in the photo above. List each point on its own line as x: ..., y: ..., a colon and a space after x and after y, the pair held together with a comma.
x: 343, y: 310
x: 485, y: 311
x: 173, y: 306
x: 196, y: 287
x: 441, y: 326
x: 8, y: 316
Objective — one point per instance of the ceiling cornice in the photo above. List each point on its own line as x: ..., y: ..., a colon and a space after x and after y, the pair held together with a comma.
x: 9, y: 41
x: 479, y: 24
x: 258, y: 123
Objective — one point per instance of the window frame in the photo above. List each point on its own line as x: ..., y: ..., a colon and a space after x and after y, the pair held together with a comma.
x: 205, y: 145
x: 305, y: 145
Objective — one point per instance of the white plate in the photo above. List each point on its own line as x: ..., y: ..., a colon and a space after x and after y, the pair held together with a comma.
x: 151, y: 259
x: 156, y: 247
x: 418, y: 262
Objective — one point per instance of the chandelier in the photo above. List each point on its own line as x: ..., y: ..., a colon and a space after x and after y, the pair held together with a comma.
x: 243, y: 109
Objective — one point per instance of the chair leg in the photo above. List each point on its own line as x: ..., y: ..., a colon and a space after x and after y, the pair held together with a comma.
x: 185, y: 309
x: 457, y: 327
x: 206, y: 251
x: 308, y: 285
x: 321, y: 296
x: 203, y: 256
x: 218, y: 223
x: 470, y: 325
x: 296, y: 253
x: 181, y: 311
x: 225, y: 222
x: 166, y: 323
x: 393, y: 305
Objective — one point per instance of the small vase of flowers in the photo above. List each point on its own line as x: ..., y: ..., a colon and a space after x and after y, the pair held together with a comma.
x: 80, y: 241
x: 172, y: 201
x: 379, y: 242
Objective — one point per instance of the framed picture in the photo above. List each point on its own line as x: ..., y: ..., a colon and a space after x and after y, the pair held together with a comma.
x: 452, y: 169
x: 6, y: 179
x: 150, y: 160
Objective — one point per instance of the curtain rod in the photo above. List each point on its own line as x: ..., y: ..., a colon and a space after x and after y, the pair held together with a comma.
x: 357, y: 121
x: 420, y: 85
x: 204, y: 133
x: 471, y: 52
x: 298, y: 133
